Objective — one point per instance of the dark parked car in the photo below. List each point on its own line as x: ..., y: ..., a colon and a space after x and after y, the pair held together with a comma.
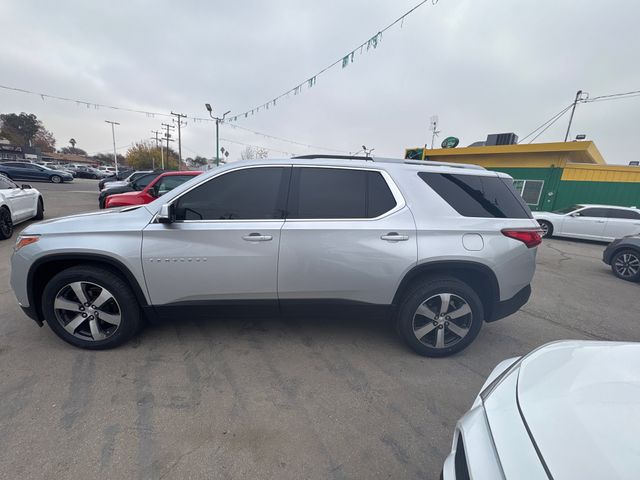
x: 623, y: 255
x: 31, y: 171
x: 122, y: 174
x: 136, y: 186
x: 87, y: 172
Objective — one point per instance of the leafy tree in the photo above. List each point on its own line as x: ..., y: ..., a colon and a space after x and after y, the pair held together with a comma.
x: 20, y: 129
x: 142, y: 154
x: 44, y: 140
x: 73, y: 151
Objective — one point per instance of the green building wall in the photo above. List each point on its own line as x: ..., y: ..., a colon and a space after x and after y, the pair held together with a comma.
x: 557, y: 193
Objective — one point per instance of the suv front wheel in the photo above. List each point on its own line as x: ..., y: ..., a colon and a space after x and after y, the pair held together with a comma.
x: 91, y: 307
x: 440, y: 316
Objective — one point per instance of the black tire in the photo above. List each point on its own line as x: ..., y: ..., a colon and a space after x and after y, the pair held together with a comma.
x: 429, y: 292
x: 6, y: 224
x: 625, y: 264
x: 122, y: 303
x: 56, y: 179
x: 94, y: 177
x: 40, y: 210
x: 547, y: 228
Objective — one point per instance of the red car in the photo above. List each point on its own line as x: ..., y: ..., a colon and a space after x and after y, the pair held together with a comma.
x: 162, y: 184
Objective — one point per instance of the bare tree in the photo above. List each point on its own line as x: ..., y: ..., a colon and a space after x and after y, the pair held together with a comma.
x: 254, y: 153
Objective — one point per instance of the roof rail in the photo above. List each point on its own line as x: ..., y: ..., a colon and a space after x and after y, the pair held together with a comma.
x: 336, y: 157
x: 392, y: 160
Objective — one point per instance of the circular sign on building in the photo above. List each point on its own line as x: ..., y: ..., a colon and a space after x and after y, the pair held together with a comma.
x: 450, y: 142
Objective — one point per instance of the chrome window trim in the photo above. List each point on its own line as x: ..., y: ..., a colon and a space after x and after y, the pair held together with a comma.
x: 395, y: 191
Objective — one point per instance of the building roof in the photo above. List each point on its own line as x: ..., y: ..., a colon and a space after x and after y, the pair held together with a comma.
x: 555, y: 153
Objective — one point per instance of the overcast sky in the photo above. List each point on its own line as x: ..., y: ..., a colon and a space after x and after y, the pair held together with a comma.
x: 482, y: 67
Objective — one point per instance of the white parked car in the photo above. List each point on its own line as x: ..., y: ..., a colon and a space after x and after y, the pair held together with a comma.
x: 17, y: 204
x: 590, y: 222
x: 568, y: 410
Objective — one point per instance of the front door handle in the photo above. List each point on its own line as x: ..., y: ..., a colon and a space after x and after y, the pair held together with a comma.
x: 257, y: 237
x: 394, y: 237
x: 599, y: 221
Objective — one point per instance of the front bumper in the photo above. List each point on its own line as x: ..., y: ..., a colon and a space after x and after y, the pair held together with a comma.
x: 512, y: 305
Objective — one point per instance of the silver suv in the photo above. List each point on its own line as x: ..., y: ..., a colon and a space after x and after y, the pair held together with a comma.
x: 442, y: 248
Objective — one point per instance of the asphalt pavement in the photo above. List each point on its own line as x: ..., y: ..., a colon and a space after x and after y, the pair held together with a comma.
x: 268, y: 398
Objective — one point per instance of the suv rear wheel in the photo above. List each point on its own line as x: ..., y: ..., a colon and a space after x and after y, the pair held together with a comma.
x: 440, y: 316
x: 91, y: 307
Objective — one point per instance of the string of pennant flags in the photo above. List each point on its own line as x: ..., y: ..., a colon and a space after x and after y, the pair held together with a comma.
x: 370, y: 44
x: 151, y: 114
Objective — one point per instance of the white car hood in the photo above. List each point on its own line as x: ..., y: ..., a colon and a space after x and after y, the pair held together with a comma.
x: 581, y: 403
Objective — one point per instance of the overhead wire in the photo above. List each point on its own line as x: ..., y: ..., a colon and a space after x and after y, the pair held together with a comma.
x: 552, y: 120
x: 371, y: 42
x: 153, y: 114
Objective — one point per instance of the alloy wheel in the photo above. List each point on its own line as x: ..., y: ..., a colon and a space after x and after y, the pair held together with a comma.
x: 544, y: 226
x: 442, y: 320
x: 627, y: 265
x: 87, y: 310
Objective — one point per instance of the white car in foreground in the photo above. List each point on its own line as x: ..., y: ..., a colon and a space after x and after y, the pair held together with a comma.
x: 590, y: 222
x: 17, y: 204
x: 568, y: 410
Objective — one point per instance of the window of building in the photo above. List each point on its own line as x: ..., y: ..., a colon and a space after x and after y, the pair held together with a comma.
x: 529, y: 190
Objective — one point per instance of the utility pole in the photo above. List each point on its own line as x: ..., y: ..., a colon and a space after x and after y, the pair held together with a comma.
x: 153, y: 159
x: 575, y: 102
x: 218, y: 120
x: 167, y: 137
x: 179, y: 118
x: 113, y: 136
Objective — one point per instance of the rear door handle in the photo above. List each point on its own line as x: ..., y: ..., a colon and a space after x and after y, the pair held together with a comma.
x: 394, y: 237
x: 257, y: 237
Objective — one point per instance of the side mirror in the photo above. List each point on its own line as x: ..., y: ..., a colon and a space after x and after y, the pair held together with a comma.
x: 25, y: 186
x: 166, y: 214
x: 575, y: 214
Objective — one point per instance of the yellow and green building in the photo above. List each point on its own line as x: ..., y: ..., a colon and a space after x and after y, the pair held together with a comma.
x: 550, y: 176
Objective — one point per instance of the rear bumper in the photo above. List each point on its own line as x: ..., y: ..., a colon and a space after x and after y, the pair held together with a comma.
x: 512, y: 305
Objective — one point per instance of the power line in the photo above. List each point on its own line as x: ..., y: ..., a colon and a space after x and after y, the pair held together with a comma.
x: 613, y: 96
x: 152, y: 114
x: 552, y: 120
x: 372, y: 42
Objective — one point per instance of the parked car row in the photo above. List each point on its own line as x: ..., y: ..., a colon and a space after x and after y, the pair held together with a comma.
x: 32, y: 171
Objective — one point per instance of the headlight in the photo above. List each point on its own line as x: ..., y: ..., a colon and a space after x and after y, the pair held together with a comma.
x: 24, y: 240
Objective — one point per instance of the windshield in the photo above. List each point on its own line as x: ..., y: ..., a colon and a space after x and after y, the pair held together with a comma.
x: 566, y: 210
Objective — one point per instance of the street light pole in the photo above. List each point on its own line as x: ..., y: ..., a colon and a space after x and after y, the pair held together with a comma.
x: 575, y: 102
x: 113, y: 136
x: 218, y: 120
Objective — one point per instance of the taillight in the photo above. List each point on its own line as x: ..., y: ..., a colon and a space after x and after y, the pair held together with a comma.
x: 530, y: 237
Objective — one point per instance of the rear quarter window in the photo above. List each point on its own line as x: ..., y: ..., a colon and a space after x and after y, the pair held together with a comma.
x: 478, y: 196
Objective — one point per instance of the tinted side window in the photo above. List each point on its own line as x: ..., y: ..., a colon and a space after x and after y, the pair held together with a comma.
x: 628, y: 214
x: 168, y: 183
x: 5, y: 183
x: 478, y: 196
x: 593, y: 212
x: 379, y: 198
x: 249, y: 194
x: 142, y: 182
x: 321, y: 193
